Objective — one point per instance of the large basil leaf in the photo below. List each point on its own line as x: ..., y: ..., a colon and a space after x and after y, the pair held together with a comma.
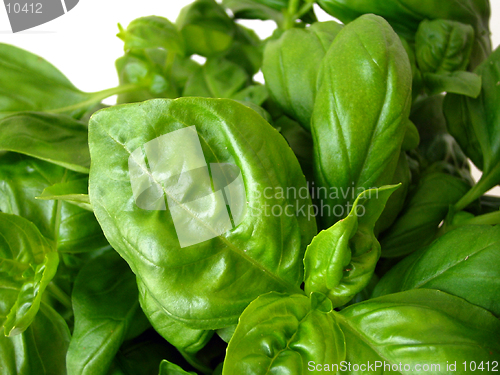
x: 55, y: 138
x: 341, y: 260
x: 40, y: 350
x: 217, y: 78
x: 418, y: 327
x: 464, y: 262
x: 206, y: 28
x: 359, y: 124
x: 27, y: 265
x: 224, y: 273
x: 22, y: 179
x: 281, y: 334
x: 426, y: 208
x: 405, y: 16
x: 152, y: 32
x: 291, y: 64
x: 475, y: 124
x: 106, y: 305
x: 30, y: 83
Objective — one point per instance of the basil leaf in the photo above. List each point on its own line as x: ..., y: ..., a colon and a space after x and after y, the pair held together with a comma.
x: 168, y: 368
x: 443, y: 46
x: 246, y: 50
x: 352, y: 123
x: 291, y: 64
x: 27, y: 265
x: 255, y: 94
x: 217, y: 78
x: 152, y: 32
x: 471, y: 271
x: 463, y: 83
x: 475, y: 125
x: 54, y: 138
x: 40, y: 350
x: 278, y: 333
x: 426, y: 208
x: 105, y: 302
x: 341, y: 260
x: 75, y: 192
x: 147, y: 237
x: 179, y: 335
x: 206, y: 28
x: 22, y: 179
x: 418, y: 327
x: 405, y: 17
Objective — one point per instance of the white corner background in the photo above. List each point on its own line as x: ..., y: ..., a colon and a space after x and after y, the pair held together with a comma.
x: 83, y: 43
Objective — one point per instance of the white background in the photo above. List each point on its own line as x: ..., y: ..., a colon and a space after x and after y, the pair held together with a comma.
x: 83, y: 43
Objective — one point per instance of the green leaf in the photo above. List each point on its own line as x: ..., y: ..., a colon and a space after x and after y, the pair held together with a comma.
x: 291, y: 64
x: 341, y: 260
x: 206, y: 28
x: 463, y: 83
x: 443, y: 46
x: 217, y: 78
x: 436, y: 144
x: 256, y: 94
x: 281, y: 334
x: 176, y: 333
x: 359, y: 124
x: 40, y: 350
x: 136, y: 69
x: 426, y: 208
x: 475, y: 124
x: 30, y: 83
x: 105, y: 302
x: 168, y: 368
x: 27, y: 265
x: 405, y: 17
x: 75, y: 192
x: 55, y: 138
x: 152, y: 32
x: 225, y: 271
x: 22, y: 179
x: 464, y: 262
x: 418, y: 327
x: 246, y: 50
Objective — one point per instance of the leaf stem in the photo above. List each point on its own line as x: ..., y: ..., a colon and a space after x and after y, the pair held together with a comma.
x: 97, y: 97
x: 59, y: 295
x: 486, y: 182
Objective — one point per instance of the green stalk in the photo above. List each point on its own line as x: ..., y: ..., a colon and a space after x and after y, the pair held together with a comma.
x: 486, y: 182
x: 290, y: 14
x: 59, y: 295
x: 97, y: 97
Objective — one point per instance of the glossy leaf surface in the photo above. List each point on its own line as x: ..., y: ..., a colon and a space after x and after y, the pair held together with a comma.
x: 278, y: 333
x: 418, y: 327
x: 464, y: 262
x: 359, y: 124
x: 215, y: 272
x: 291, y: 64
